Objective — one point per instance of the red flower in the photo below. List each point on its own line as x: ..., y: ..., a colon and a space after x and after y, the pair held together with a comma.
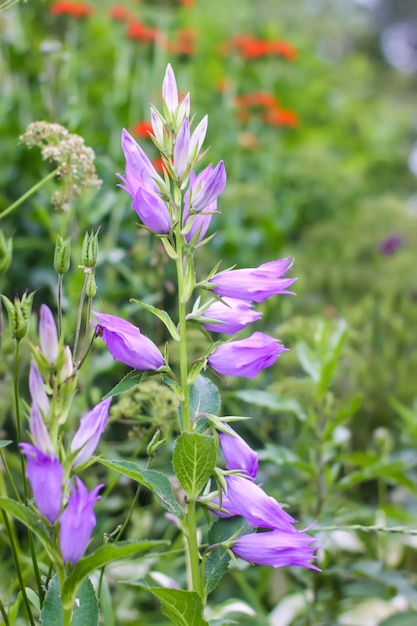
x: 187, y: 3
x: 282, y: 48
x: 138, y: 30
x: 158, y: 164
x: 185, y: 43
x: 250, y: 47
x: 75, y: 9
x: 142, y: 129
x: 280, y: 117
x: 119, y: 13
x: 257, y: 98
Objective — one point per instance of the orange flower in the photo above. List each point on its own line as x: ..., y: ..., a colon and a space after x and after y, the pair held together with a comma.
x: 138, y: 30
x: 142, y: 129
x: 119, y: 13
x: 250, y: 47
x: 158, y: 164
x: 187, y: 3
x: 282, y: 48
x: 75, y: 9
x: 185, y: 43
x: 257, y: 98
x: 281, y: 117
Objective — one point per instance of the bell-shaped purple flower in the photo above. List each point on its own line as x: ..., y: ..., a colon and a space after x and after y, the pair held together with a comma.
x: 248, y: 500
x: 152, y: 210
x: 91, y: 428
x: 277, y: 548
x: 45, y: 475
x: 37, y: 389
x: 77, y: 522
x: 233, y: 315
x: 170, y: 90
x: 127, y: 344
x: 182, y: 149
x: 139, y: 169
x: 39, y: 431
x: 255, y: 284
x: 246, y: 357
x: 48, y: 335
x: 237, y: 453
x: 207, y: 186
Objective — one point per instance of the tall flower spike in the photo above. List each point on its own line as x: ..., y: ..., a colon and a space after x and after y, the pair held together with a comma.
x: 91, y: 428
x: 45, y: 475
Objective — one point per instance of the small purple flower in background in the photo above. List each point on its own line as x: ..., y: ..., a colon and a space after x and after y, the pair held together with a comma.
x: 207, y: 186
x: 48, y: 335
x: 152, y: 210
x: 91, y: 428
x: 246, y: 357
x: 37, y: 390
x: 248, y: 500
x: 127, y: 344
x: 237, y: 453
x: 45, y: 475
x: 277, y: 548
x: 39, y: 431
x: 77, y: 521
x: 255, y: 284
x: 233, y: 314
x: 390, y: 245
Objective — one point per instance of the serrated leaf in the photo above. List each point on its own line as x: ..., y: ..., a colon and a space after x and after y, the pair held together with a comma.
x: 156, y: 481
x: 52, y: 614
x: 217, y: 562
x: 204, y: 398
x: 130, y: 380
x: 33, y: 522
x: 183, y: 608
x: 86, y: 611
x: 194, y: 460
x: 162, y: 315
x: 102, y: 556
x: 5, y: 442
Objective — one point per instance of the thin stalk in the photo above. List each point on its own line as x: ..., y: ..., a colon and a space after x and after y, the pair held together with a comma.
x: 59, y: 303
x: 18, y: 569
x: 79, y: 317
x: 193, y: 554
x: 4, y: 614
x: 182, y: 329
x: 9, y: 476
x: 28, y: 193
x: 83, y: 347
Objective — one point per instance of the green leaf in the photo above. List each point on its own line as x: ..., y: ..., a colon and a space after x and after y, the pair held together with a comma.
x: 156, y: 481
x: 105, y: 554
x: 204, y: 398
x: 309, y: 361
x: 183, y: 608
x: 401, y: 619
x: 193, y: 460
x: 130, y: 380
x: 5, y: 442
x: 162, y: 315
x: 86, y: 611
x: 33, y: 522
x: 52, y: 614
x: 217, y: 562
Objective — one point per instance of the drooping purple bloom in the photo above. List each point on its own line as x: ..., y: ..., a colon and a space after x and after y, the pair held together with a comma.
x: 277, y: 548
x: 207, y: 186
x: 48, y: 335
x: 237, y: 453
x: 45, y: 475
x: 169, y: 89
x: 39, y: 431
x: 255, y: 284
x: 182, y: 149
x: 152, y: 210
x: 91, y: 428
x: 37, y: 389
x: 233, y: 314
x: 139, y: 169
x: 77, y: 521
x: 246, y: 357
x: 127, y: 344
x: 248, y: 500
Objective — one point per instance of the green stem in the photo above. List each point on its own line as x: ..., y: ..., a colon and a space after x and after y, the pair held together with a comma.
x: 28, y: 193
x: 182, y: 329
x: 79, y: 318
x: 59, y: 303
x: 4, y: 614
x: 193, y: 554
x: 18, y: 415
x: 14, y: 550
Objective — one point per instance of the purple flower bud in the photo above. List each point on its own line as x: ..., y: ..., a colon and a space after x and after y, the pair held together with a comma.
x: 277, y: 549
x: 237, y: 453
x: 152, y: 210
x: 183, y: 110
x: 182, y: 149
x: 39, y: 431
x: 233, y: 315
x: 139, y: 169
x: 246, y: 357
x: 255, y: 284
x: 67, y: 369
x: 200, y: 221
x: 48, y: 335
x: 45, y: 475
x: 198, y: 136
x: 77, y: 522
x: 126, y: 343
x: 248, y: 500
x: 207, y: 186
x: 169, y: 89
x: 37, y: 390
x: 91, y: 428
x: 157, y: 126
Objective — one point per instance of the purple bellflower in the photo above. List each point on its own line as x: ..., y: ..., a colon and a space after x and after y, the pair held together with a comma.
x: 248, y: 500
x: 199, y: 221
x: 237, y: 453
x: 45, y: 475
x: 127, y: 344
x: 139, y: 169
x: 48, y: 335
x: 37, y: 389
x: 182, y: 149
x: 255, y: 284
x: 77, y: 521
x: 91, y: 428
x: 39, y: 431
x: 246, y: 357
x: 233, y: 314
x: 152, y: 210
x: 277, y: 548
x: 207, y: 186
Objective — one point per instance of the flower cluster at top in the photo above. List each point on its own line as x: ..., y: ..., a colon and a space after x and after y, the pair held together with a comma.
x: 52, y: 383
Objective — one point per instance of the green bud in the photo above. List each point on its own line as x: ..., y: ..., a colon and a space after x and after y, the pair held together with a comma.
x: 62, y: 254
x: 91, y: 287
x: 19, y: 314
x: 155, y: 443
x: 6, y: 249
x: 90, y: 249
